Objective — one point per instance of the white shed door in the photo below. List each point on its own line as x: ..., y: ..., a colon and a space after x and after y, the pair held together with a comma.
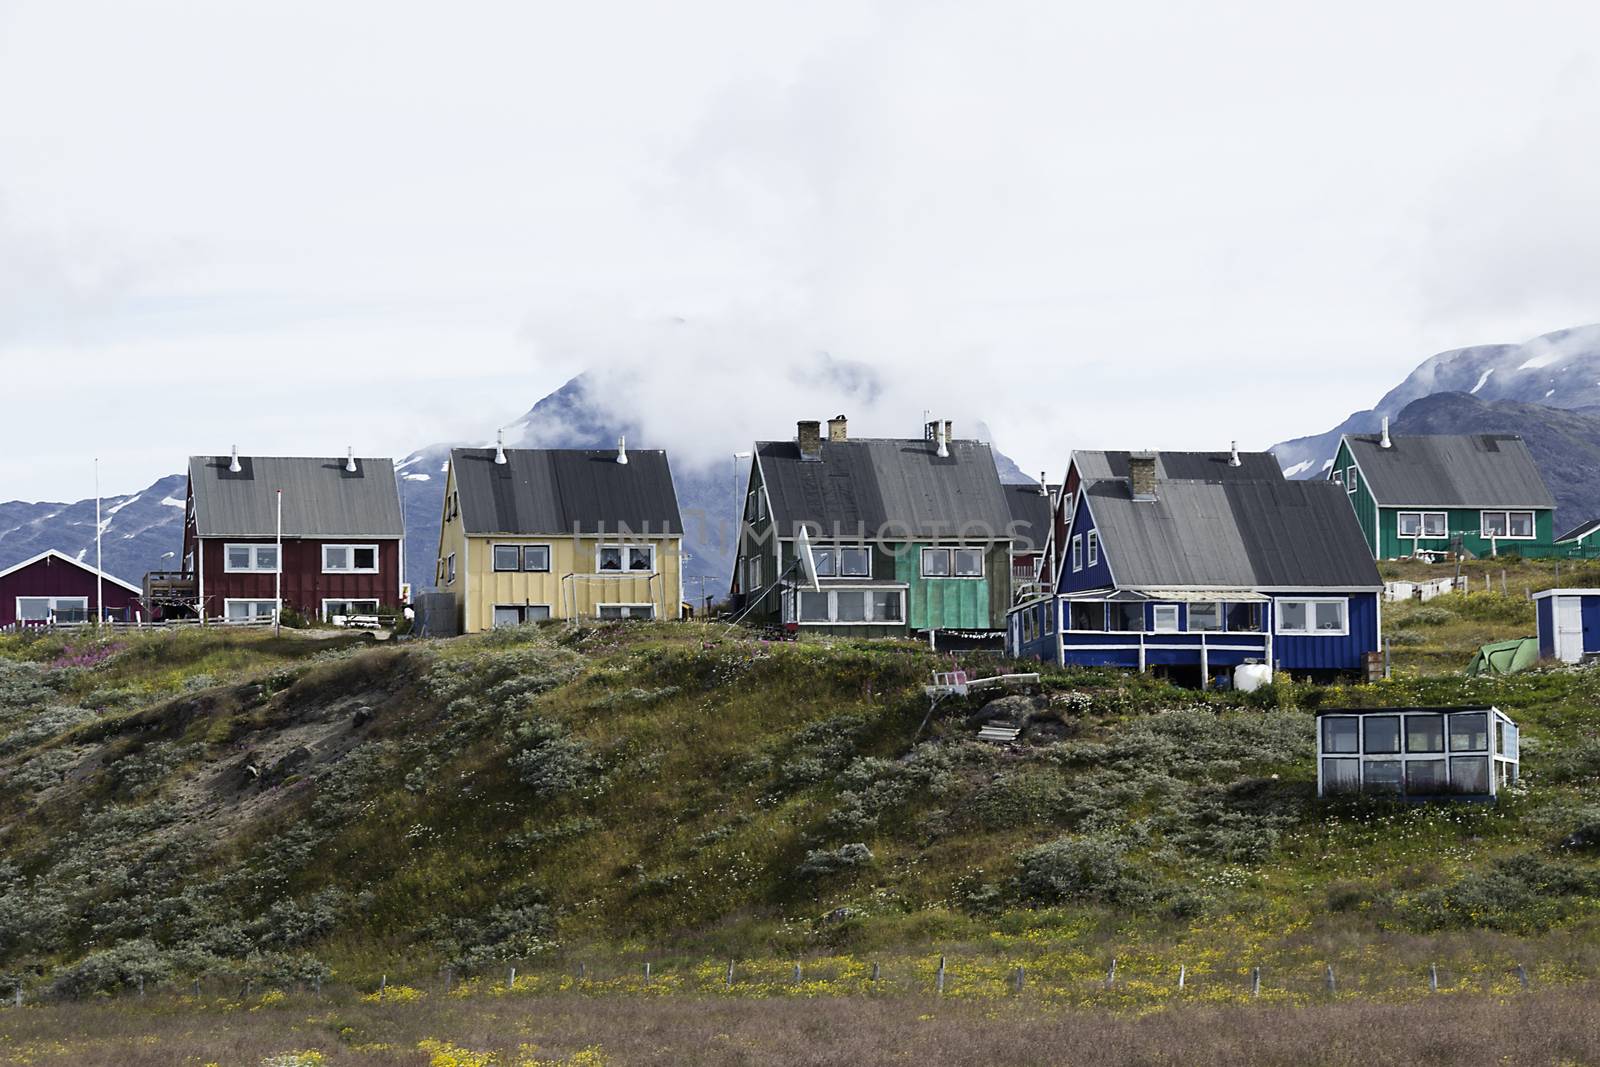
x: 1569, y: 629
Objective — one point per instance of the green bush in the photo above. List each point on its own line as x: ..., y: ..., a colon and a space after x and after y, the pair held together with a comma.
x: 1093, y: 869
x: 820, y: 863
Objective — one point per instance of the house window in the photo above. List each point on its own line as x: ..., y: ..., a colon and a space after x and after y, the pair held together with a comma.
x: 1425, y: 777
x: 330, y: 608
x: 522, y: 557
x: 1341, y: 733
x: 886, y: 605
x: 968, y: 562
x: 63, y: 608
x: 1469, y: 732
x: 1382, y: 734
x: 1094, y: 547
x: 1325, y: 618
x: 1423, y: 524
x: 246, y: 559
x: 627, y: 611
x: 1245, y: 618
x: 852, y: 607
x: 248, y: 610
x: 1341, y: 775
x: 1350, y: 479
x: 621, y: 559
x: 1382, y: 776
x: 1512, y: 524
x: 1338, y: 477
x: 1087, y: 615
x: 450, y: 569
x: 1166, y: 619
x: 1205, y: 617
x: 1124, y: 617
x: 1469, y: 774
x: 1077, y: 553
x: 517, y: 614
x: 349, y: 559
x: 1424, y: 733
x: 851, y: 561
x: 936, y: 563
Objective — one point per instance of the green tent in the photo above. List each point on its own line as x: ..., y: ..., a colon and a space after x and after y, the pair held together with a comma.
x: 1505, y: 657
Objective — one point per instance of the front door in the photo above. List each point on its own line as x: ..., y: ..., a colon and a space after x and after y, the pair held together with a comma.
x: 1569, y: 629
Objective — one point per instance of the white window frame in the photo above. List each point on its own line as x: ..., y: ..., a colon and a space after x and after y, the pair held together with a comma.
x: 255, y: 551
x: 522, y: 557
x: 836, y: 553
x: 328, y: 614
x: 1350, y: 480
x: 983, y: 563
x: 230, y: 601
x: 1156, y: 625
x: 936, y: 550
x: 626, y: 548
x: 1338, y: 477
x: 1422, y: 518
x: 351, y: 548
x: 450, y: 569
x: 1077, y: 553
x: 599, y: 610
x: 833, y: 592
x: 1206, y: 605
x: 1533, y: 524
x: 52, y: 606
x: 1093, y: 544
x: 522, y: 612
x: 1311, y: 616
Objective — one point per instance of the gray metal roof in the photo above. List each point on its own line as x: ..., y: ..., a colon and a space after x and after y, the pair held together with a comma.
x: 1094, y: 465
x: 1481, y: 470
x: 1030, y: 515
x: 565, y: 491
x: 886, y: 487
x: 320, y: 497
x: 1262, y: 534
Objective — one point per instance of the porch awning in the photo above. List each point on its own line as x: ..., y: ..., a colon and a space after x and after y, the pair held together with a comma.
x: 1203, y: 596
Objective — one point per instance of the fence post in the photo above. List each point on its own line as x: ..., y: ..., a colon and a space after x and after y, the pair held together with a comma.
x: 1433, y: 978
x: 1329, y: 981
x: 1020, y: 979
x: 197, y: 989
x: 938, y: 983
x: 18, y: 1000
x: 1111, y: 973
x: 876, y: 971
x: 511, y: 978
x: 1183, y: 972
x: 141, y: 985
x: 316, y: 984
x: 647, y: 971
x: 383, y: 986
x: 729, y: 981
x: 1255, y: 982
x: 797, y: 974
x: 1522, y: 975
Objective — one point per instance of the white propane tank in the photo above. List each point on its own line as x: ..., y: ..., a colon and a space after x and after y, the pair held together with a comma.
x: 1248, y: 677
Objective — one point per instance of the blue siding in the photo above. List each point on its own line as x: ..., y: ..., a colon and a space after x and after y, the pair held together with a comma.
x: 1591, y: 624
x: 1547, y: 628
x: 1340, y: 653
x: 1096, y: 577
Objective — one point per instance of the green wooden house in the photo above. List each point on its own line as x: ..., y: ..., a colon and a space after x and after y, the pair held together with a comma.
x: 1582, y: 540
x: 1480, y: 494
x: 908, y: 535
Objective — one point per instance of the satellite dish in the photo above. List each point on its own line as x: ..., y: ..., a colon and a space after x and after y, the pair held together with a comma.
x: 808, y: 562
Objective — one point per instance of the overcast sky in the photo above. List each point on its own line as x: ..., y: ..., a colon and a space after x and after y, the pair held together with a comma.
x: 297, y: 226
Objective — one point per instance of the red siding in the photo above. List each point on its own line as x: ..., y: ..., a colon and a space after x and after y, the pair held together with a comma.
x: 305, y: 587
x: 54, y: 576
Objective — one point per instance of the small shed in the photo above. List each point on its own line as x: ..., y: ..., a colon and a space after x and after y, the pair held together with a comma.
x: 53, y: 587
x: 1569, y: 623
x: 1422, y: 753
x: 1583, y: 538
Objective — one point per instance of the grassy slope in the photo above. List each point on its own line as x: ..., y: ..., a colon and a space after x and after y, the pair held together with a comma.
x: 677, y: 794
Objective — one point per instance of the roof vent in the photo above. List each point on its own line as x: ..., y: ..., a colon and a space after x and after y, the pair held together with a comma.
x: 1044, y: 487
x: 1233, y: 456
x: 622, y: 449
x: 1384, y: 442
x: 350, y: 459
x: 500, y: 447
x: 233, y: 464
x: 943, y: 451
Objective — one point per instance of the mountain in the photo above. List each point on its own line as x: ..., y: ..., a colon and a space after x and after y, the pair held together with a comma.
x: 140, y: 528
x: 1556, y: 370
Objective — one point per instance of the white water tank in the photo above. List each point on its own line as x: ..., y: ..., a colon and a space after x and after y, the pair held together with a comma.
x: 1248, y: 677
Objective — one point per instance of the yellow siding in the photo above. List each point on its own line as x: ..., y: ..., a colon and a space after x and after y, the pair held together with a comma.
x: 451, y: 541
x: 565, y: 589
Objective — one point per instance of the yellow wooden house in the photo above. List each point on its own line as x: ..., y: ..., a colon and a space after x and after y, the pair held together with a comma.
x: 530, y: 534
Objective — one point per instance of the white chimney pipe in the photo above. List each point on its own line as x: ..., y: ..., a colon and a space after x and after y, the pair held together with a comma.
x: 500, y: 447
x: 1233, y: 456
x: 622, y: 449
x: 350, y: 459
x: 1384, y: 442
x: 944, y: 446
x: 1044, y: 487
x: 233, y: 465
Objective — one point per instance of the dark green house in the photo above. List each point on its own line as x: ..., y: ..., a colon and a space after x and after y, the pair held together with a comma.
x: 1480, y: 494
x: 1583, y: 539
x: 908, y: 535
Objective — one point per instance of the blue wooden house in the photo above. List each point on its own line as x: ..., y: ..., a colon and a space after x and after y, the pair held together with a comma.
x: 1569, y: 624
x: 1193, y: 577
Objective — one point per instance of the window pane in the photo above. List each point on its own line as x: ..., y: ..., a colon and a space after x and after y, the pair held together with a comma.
x: 1094, y: 547
x: 1425, y: 777
x: 536, y: 613
x: 610, y: 611
x: 536, y: 558
x: 1383, y: 734
x: 505, y: 559
x: 33, y: 609
x: 239, y: 557
x: 813, y: 607
x: 610, y: 560
x: 1522, y: 524
x: 1166, y: 618
x: 1434, y: 525
x: 1469, y: 732
x: 1205, y: 617
x: 507, y: 616
x: 1341, y: 775
x: 1424, y: 733
x: 1244, y: 618
x: 852, y: 605
x: 1469, y: 774
x: 1292, y: 616
x: 1330, y: 615
x: 1410, y: 524
x: 366, y: 558
x: 969, y: 562
x: 827, y: 563
x: 1339, y: 734
x: 1494, y: 524
x: 936, y: 562
x: 1087, y: 615
x: 238, y: 610
x: 1508, y: 741
x: 855, y: 562
x: 642, y: 558
x: 886, y: 606
x: 1381, y: 776
x: 1126, y: 618
x: 266, y: 557
x: 335, y: 558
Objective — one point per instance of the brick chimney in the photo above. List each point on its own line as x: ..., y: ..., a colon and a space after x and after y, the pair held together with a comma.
x: 838, y: 428
x: 1142, y: 473
x: 808, y: 432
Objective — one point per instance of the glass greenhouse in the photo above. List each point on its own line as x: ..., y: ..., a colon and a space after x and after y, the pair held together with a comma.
x: 1416, y: 752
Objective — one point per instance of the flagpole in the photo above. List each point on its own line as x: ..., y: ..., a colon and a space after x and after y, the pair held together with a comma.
x: 277, y: 579
x: 99, y: 568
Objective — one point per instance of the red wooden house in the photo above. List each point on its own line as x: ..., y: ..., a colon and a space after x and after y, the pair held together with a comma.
x: 341, y: 537
x: 54, y: 587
